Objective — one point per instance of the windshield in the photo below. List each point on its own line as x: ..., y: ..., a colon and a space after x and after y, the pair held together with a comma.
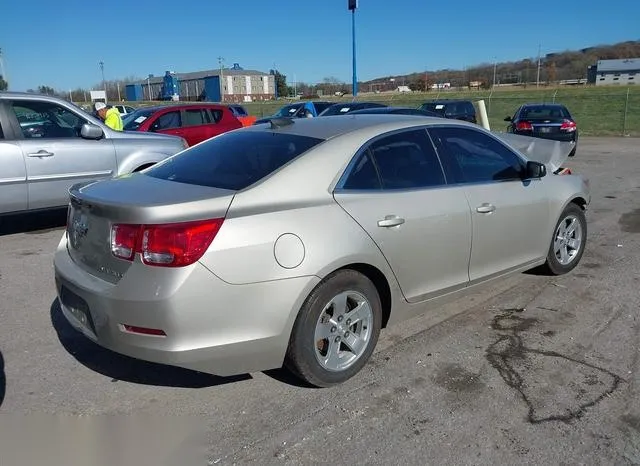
x: 289, y: 110
x: 338, y: 109
x: 233, y: 160
x: 433, y: 107
x: 132, y: 121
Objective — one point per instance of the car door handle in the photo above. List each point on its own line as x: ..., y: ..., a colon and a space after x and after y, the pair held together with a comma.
x: 390, y: 221
x: 40, y: 153
x: 485, y: 208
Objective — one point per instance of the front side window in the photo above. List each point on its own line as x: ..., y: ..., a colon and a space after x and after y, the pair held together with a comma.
x: 167, y: 120
x: 471, y: 156
x: 405, y: 160
x: 46, y: 120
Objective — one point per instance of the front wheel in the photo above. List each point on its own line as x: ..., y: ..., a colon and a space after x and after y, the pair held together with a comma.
x: 336, y: 330
x: 568, y: 241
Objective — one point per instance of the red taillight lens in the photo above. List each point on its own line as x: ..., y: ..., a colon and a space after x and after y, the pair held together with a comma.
x: 171, y: 245
x: 124, y: 240
x: 524, y: 126
x: 568, y: 125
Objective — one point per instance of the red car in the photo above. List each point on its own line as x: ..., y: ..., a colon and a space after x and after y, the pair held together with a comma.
x: 193, y: 122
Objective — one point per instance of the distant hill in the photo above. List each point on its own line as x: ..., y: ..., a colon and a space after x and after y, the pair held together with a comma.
x: 570, y: 64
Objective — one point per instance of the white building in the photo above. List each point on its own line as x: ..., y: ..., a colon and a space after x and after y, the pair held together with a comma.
x: 624, y: 71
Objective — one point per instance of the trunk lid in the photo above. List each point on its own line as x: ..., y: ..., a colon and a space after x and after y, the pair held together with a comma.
x: 132, y: 199
x: 551, y: 153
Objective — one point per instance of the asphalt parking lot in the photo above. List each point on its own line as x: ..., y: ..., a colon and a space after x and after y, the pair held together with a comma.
x: 534, y: 369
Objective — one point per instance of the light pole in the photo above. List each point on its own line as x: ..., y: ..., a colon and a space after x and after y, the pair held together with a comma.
x: 104, y: 83
x: 538, y: 74
x: 221, y: 65
x: 3, y: 73
x: 353, y: 6
x: 149, y: 85
x: 495, y: 67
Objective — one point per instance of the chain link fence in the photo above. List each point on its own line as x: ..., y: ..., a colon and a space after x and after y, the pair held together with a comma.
x: 596, y: 113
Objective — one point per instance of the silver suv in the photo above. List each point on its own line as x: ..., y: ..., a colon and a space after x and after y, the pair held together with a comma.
x: 47, y: 145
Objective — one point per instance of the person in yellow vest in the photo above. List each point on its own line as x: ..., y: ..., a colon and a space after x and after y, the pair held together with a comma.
x: 110, y: 116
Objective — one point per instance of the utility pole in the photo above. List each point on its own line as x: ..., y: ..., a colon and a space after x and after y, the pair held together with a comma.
x: 2, y: 70
x: 220, y: 64
x: 353, y: 6
x: 538, y: 78
x: 104, y: 83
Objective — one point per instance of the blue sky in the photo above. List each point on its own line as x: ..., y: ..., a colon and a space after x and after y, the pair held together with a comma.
x: 61, y: 45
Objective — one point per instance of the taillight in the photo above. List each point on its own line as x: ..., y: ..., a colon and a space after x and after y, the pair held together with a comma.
x: 524, y: 126
x: 568, y: 126
x: 124, y: 241
x: 170, y: 245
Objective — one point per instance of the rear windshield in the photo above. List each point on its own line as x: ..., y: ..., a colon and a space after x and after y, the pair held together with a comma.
x: 544, y: 112
x: 239, y: 111
x: 233, y: 160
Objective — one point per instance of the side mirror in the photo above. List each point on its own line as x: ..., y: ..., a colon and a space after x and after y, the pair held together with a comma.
x: 89, y: 131
x: 535, y: 170
x: 508, y: 119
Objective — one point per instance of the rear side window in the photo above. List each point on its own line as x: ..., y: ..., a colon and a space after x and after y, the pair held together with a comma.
x: 195, y: 117
x: 216, y: 115
x: 239, y: 111
x: 405, y: 160
x: 233, y: 160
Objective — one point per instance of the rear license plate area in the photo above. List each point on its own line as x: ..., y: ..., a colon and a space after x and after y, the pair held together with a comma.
x: 544, y: 130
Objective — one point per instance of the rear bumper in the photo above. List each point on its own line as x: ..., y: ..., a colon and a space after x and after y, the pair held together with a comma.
x: 210, y: 325
x: 562, y: 137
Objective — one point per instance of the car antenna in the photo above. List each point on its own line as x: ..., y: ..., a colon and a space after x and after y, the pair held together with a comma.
x: 280, y: 122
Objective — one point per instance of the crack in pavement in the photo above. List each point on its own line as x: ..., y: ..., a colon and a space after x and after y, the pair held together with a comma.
x: 514, y: 362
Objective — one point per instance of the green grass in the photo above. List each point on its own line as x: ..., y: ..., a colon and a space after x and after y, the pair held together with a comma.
x: 599, y: 111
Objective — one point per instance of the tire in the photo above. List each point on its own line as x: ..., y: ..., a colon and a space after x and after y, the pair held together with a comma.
x: 326, y: 347
x: 559, y: 265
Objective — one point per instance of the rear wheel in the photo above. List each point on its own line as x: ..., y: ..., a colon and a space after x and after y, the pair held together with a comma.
x: 336, y: 330
x: 568, y: 241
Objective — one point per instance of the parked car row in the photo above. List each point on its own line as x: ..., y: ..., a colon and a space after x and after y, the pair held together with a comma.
x: 547, y: 121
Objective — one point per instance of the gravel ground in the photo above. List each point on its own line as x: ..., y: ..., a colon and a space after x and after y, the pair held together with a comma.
x: 534, y: 369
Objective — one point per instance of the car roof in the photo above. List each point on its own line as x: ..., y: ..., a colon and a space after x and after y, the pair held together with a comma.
x: 445, y: 101
x: 331, y: 126
x: 542, y: 104
x: 383, y: 110
x: 156, y: 108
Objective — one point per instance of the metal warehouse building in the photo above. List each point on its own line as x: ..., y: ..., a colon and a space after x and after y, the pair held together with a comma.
x: 226, y: 85
x: 623, y: 71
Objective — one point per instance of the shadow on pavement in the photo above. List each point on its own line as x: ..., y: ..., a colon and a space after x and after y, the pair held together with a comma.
x: 119, y: 367
x: 3, y: 380
x: 33, y: 222
x: 284, y: 376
